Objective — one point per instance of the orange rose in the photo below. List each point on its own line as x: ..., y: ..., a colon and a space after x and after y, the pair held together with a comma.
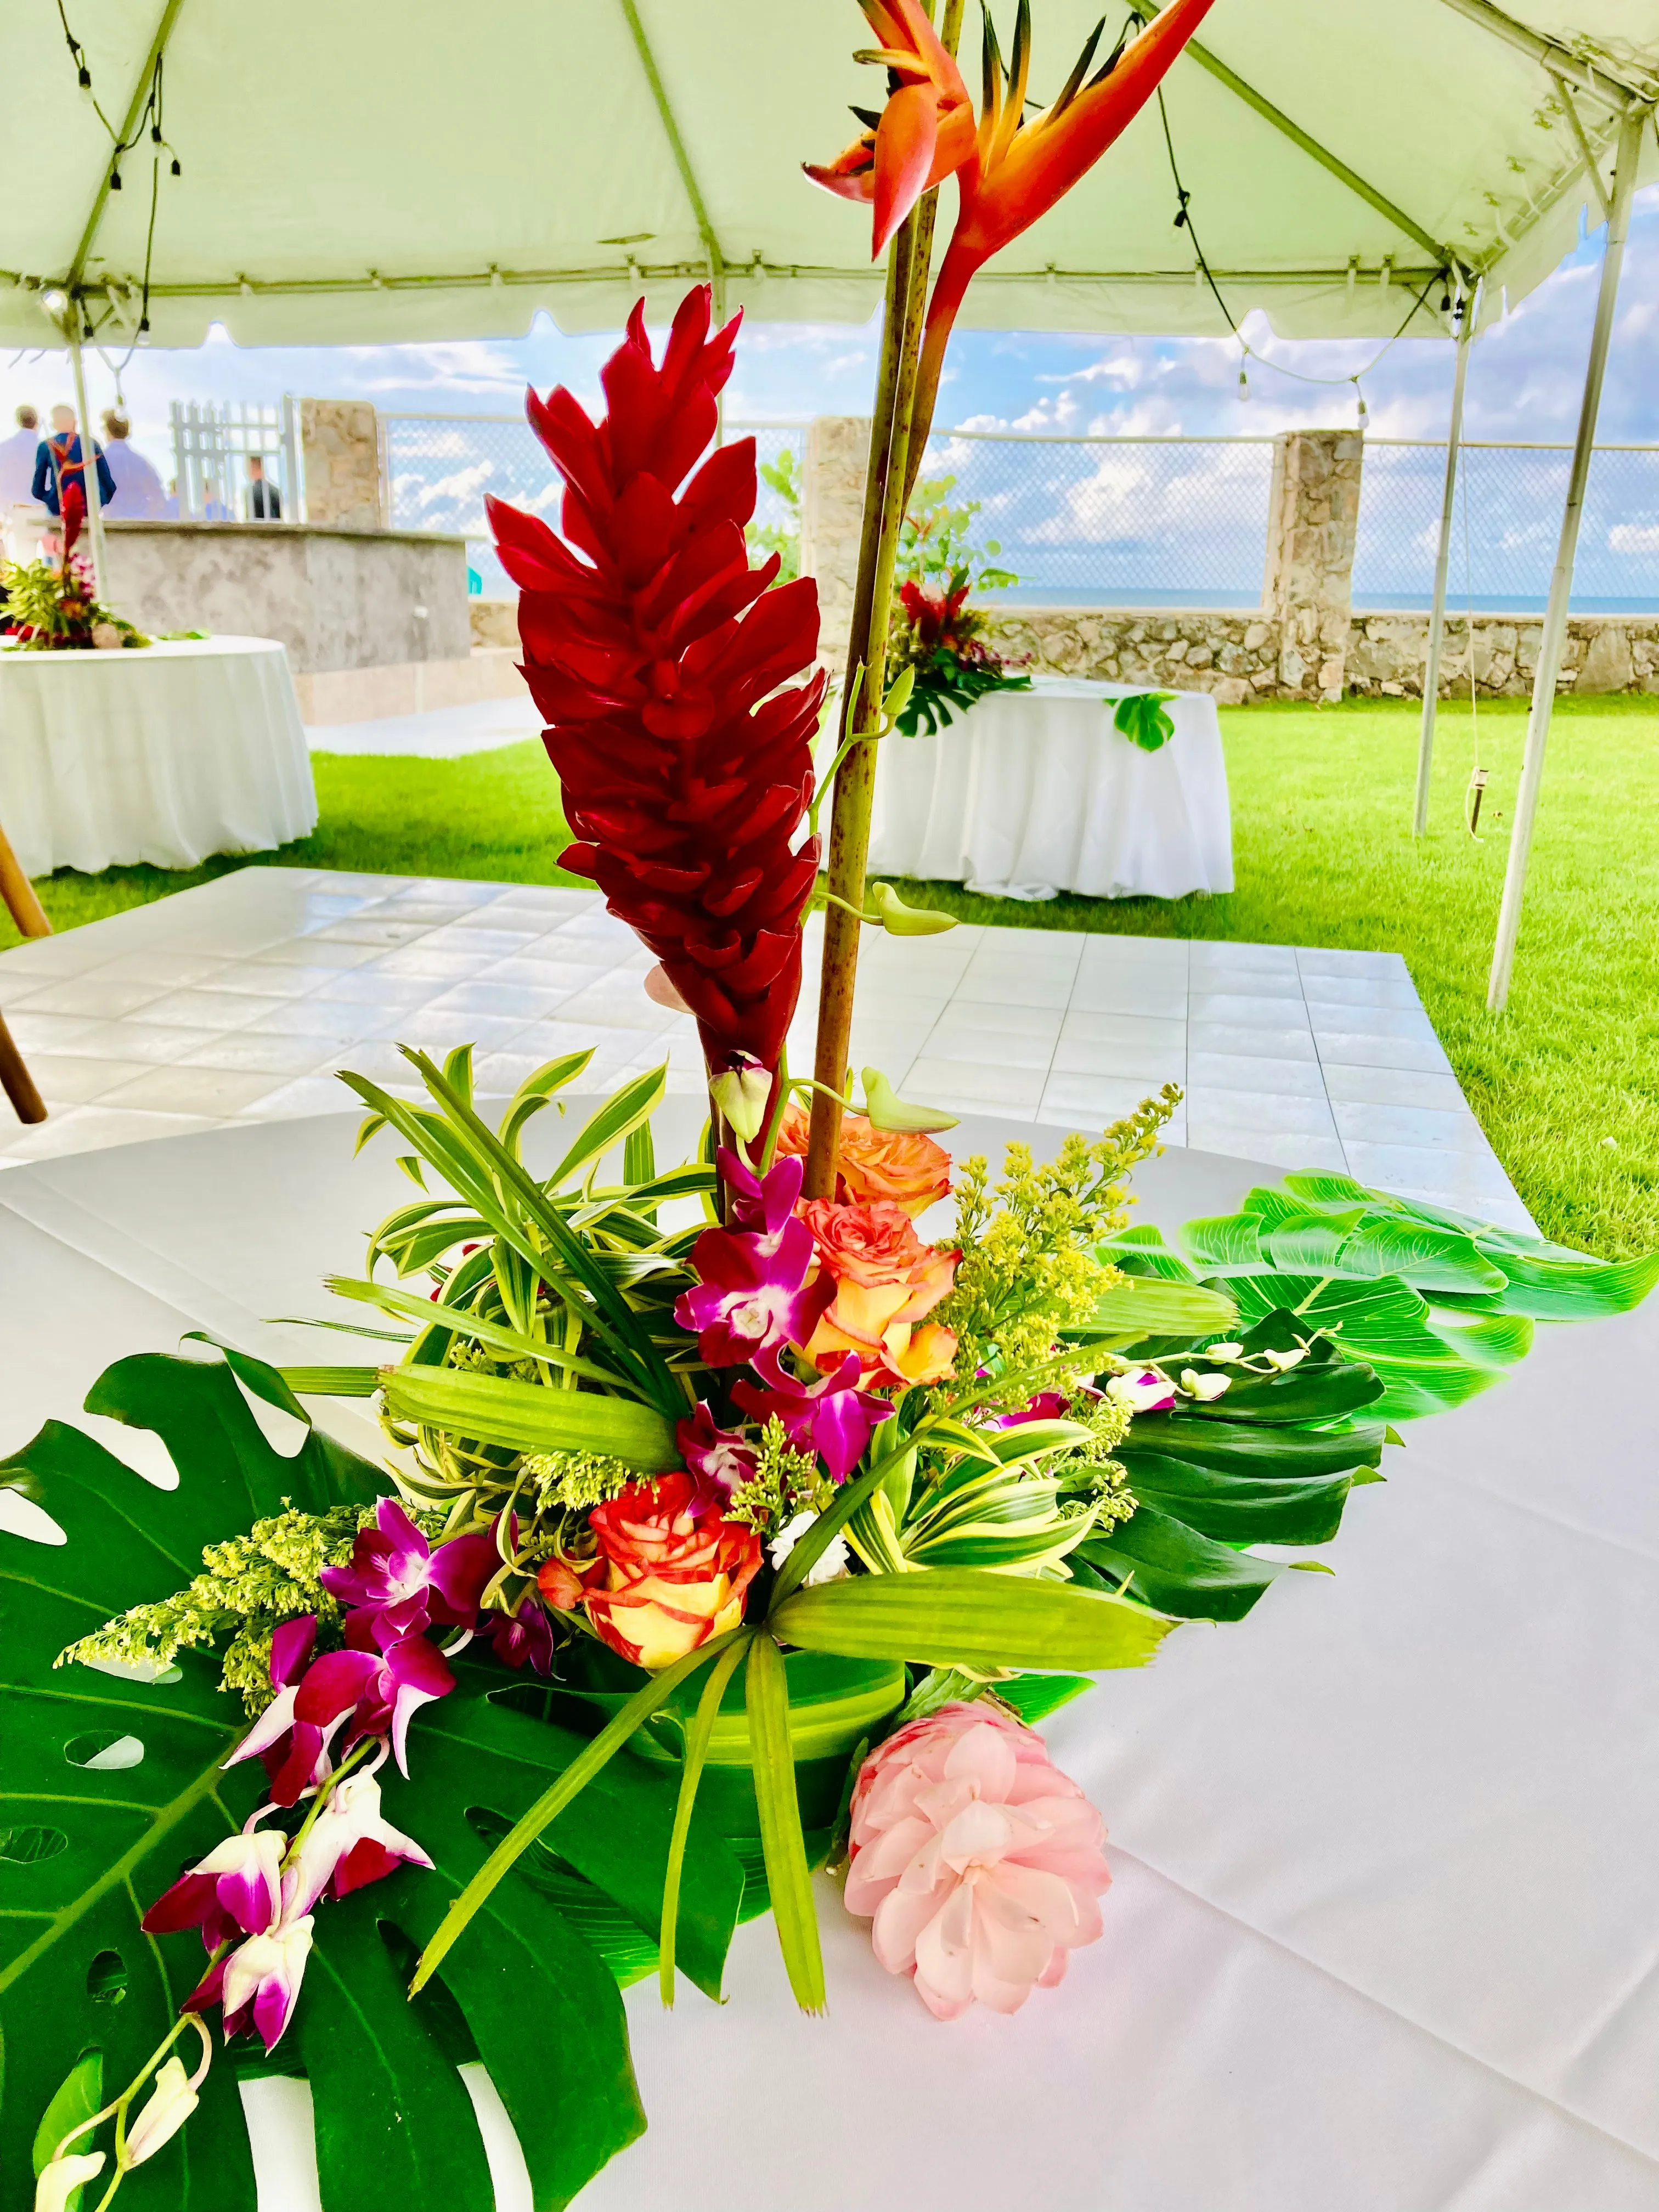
x: 899, y: 1166
x: 668, y: 1577
x: 886, y: 1279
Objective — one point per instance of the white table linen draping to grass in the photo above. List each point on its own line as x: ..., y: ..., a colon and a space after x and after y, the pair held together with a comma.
x: 1031, y: 793
x: 1381, y: 1932
x: 163, y: 754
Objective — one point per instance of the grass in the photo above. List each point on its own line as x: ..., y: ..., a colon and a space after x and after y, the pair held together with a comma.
x: 1566, y: 1083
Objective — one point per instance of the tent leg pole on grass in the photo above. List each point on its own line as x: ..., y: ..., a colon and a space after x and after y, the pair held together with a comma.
x: 1442, y: 566
x: 1632, y: 123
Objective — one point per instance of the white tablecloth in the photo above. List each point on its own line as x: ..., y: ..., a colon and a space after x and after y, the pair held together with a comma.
x: 165, y: 754
x: 1034, y: 791
x: 1386, y: 1904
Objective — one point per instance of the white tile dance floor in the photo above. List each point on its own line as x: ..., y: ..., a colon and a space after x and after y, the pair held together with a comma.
x: 237, y: 1001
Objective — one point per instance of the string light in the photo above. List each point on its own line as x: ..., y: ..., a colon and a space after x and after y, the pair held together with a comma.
x: 1365, y: 411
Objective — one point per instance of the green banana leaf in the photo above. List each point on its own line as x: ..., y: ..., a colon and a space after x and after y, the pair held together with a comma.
x: 1330, y: 1225
x: 1426, y: 1363
x: 89, y: 1847
x: 1272, y: 1461
x: 1177, y: 1570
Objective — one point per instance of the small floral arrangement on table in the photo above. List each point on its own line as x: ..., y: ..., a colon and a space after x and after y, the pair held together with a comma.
x: 936, y: 634
x: 51, y: 606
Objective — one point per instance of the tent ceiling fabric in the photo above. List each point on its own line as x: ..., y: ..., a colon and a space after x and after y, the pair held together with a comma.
x: 356, y: 175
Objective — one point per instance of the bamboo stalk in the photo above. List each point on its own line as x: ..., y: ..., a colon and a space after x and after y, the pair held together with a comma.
x: 887, y: 483
x: 18, y: 892
x: 16, y: 1081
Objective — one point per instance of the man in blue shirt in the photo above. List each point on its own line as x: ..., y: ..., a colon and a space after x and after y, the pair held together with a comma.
x: 60, y: 472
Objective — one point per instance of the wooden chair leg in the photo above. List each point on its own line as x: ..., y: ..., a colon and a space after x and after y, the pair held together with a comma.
x: 16, y: 1081
x: 18, y: 892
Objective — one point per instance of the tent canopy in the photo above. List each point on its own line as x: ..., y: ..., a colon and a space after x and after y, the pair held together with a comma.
x: 453, y: 172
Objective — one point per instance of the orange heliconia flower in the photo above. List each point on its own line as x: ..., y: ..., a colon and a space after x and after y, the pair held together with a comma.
x: 1021, y: 167
x: 925, y: 132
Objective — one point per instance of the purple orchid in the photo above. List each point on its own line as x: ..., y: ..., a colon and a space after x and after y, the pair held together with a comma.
x: 526, y: 1635
x: 293, y: 1753
x: 259, y: 1982
x: 1047, y: 1405
x: 749, y: 1300
x: 396, y: 1573
x: 381, y: 1690
x: 764, y: 1205
x: 831, y: 1416
x: 236, y: 1890
x: 348, y: 1846
x: 719, y: 1457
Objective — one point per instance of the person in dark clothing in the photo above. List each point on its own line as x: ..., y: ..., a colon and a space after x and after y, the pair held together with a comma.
x: 264, y: 501
x: 60, y: 472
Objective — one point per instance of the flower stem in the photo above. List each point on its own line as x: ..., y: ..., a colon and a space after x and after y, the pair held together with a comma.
x: 886, y: 484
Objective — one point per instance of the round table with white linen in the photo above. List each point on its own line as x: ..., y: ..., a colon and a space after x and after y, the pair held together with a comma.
x: 1032, y: 793
x: 1384, y: 1893
x: 163, y: 753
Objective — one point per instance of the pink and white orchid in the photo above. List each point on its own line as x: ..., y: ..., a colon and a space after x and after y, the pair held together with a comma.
x: 259, y: 1982
x: 348, y: 1846
x: 720, y: 1458
x: 1145, y: 1391
x: 237, y: 1889
x: 294, y: 1757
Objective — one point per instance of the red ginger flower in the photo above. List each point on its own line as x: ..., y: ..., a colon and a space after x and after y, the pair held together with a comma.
x: 657, y: 653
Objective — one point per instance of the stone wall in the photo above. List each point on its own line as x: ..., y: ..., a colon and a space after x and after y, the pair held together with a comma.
x: 337, y: 598
x: 1387, y: 654
x: 1236, y: 656
x: 493, y: 621
x: 341, y: 440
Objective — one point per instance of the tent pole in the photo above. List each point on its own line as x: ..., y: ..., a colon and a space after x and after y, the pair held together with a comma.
x: 89, y: 463
x: 1442, y: 568
x: 1632, y: 124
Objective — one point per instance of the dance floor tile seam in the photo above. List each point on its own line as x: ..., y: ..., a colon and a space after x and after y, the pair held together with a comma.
x: 237, y: 1001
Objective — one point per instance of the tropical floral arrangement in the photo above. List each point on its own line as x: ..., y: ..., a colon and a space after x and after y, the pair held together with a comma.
x: 734, y: 1518
x: 941, y: 640
x: 52, y: 606
x: 936, y: 634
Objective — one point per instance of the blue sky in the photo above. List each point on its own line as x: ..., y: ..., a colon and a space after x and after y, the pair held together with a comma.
x: 1524, y: 378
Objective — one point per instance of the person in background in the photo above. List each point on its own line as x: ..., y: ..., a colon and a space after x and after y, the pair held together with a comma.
x: 264, y: 501
x: 59, y: 476
x: 17, y: 459
x: 137, y: 488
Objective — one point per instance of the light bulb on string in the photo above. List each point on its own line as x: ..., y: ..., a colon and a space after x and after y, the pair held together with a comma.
x: 1243, y: 384
x: 1365, y: 411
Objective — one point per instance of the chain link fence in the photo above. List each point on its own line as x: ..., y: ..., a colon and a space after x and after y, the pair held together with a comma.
x: 1127, y: 522
x: 1116, y: 522
x: 1506, y: 527
x: 440, y: 466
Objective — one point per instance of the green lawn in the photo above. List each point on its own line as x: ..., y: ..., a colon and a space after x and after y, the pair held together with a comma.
x: 1566, y: 1083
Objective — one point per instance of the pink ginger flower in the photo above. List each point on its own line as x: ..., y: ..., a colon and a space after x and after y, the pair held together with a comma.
x: 980, y: 1861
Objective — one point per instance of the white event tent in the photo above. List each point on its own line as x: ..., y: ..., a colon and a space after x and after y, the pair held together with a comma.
x: 421, y: 173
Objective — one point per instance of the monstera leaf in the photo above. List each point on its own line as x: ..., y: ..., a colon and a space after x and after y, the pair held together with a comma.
x: 1141, y: 717
x: 111, y: 1784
